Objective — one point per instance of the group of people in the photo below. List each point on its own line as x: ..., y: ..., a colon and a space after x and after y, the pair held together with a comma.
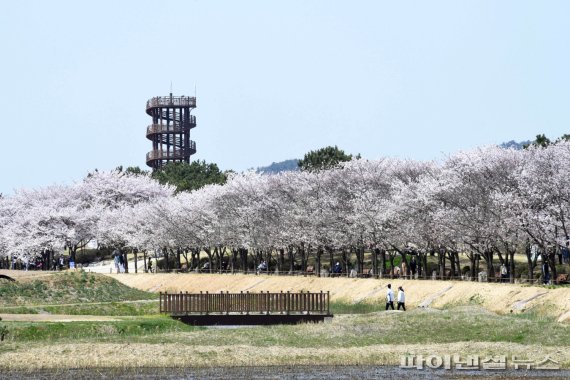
x: 119, y: 261
x: 390, y: 298
x: 262, y: 267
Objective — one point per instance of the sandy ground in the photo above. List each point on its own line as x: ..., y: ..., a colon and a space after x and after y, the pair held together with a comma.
x: 496, y: 297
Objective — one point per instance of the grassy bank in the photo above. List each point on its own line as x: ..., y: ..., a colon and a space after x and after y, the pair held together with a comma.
x: 360, y: 333
x: 68, y: 288
x: 372, y: 338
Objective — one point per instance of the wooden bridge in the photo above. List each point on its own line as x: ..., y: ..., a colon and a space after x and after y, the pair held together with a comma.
x: 246, y: 308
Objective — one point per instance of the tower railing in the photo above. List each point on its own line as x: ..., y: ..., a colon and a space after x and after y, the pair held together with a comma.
x: 170, y: 130
x: 171, y: 101
x: 173, y: 154
x: 165, y: 129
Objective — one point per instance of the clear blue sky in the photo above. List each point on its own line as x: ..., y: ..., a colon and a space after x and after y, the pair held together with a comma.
x: 275, y: 79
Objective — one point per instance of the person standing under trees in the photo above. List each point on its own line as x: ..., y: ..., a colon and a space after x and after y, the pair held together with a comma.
x: 389, y: 297
x: 401, y: 298
x: 413, y: 266
x: 504, y: 272
x: 545, y: 272
x: 116, y: 259
x: 121, y: 263
x: 565, y: 253
x: 337, y: 269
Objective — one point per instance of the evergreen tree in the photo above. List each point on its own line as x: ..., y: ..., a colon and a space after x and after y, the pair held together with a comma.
x: 324, y: 158
x: 188, y: 177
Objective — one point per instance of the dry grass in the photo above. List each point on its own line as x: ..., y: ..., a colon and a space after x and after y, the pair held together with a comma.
x: 85, y: 355
x: 496, y: 297
x: 368, y: 339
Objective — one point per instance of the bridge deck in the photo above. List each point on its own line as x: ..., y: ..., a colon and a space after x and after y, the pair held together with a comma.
x: 246, y: 308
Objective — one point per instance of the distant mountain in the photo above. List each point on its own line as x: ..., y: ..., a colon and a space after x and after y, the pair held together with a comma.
x: 277, y: 167
x: 515, y: 145
x: 293, y: 164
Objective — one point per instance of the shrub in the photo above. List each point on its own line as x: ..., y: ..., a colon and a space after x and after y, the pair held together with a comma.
x: 86, y: 256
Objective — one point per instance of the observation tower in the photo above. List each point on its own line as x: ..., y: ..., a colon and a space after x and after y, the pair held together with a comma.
x: 170, y: 130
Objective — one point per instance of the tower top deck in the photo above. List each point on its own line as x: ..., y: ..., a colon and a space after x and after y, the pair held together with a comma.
x: 170, y: 102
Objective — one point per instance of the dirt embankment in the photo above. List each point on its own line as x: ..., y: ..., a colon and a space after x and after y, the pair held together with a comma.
x: 499, y: 298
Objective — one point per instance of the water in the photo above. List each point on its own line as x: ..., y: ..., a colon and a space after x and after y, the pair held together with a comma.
x: 281, y: 373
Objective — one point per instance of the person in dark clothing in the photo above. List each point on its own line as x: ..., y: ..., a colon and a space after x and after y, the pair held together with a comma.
x: 565, y: 254
x: 413, y: 266
x: 337, y: 269
x: 389, y: 298
x: 545, y: 272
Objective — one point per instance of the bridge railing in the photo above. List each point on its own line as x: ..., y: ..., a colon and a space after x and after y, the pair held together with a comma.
x: 264, y: 303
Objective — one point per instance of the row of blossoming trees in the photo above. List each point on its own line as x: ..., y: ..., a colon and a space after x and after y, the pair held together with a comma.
x: 488, y: 204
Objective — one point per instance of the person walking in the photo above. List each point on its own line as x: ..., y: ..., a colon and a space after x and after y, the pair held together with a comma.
x: 401, y: 298
x: 389, y: 298
x: 149, y: 265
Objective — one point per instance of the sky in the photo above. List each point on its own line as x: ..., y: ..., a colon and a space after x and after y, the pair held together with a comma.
x: 275, y: 79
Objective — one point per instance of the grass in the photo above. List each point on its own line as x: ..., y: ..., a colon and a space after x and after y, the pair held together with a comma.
x: 462, y: 324
x: 133, y: 308
x: 467, y: 329
x: 68, y: 287
x: 360, y: 333
x: 93, y: 331
x: 345, y: 307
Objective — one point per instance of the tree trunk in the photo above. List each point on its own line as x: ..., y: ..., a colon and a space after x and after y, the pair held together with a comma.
x: 234, y: 259
x: 291, y: 255
x: 375, y: 252
x: 303, y: 252
x: 422, y: 264
x: 319, y: 254
x: 512, y: 266
x: 209, y: 254
x: 458, y: 262
x: 441, y: 262
x: 244, y: 253
x: 345, y: 262
x: 488, y: 257
x: 72, y: 252
x: 135, y: 251
x: 391, y: 257
x: 359, y: 263
x: 552, y: 262
x: 472, y: 258
x: 167, y: 264
x: 281, y: 265
x: 382, y: 269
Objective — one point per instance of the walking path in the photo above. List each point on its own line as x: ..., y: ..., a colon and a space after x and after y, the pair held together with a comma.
x: 57, y: 318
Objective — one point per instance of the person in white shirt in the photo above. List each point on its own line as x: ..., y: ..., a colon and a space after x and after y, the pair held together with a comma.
x: 401, y: 298
x: 389, y: 297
